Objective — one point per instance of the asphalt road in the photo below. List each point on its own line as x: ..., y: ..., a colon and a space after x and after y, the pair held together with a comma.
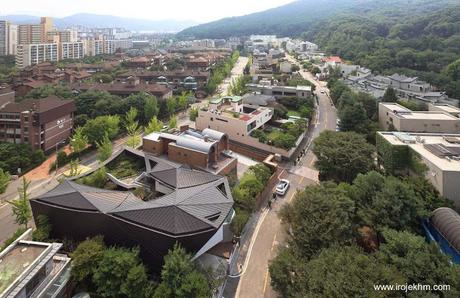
x: 255, y: 281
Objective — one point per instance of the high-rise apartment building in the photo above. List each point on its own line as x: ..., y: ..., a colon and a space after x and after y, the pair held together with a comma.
x: 12, y: 39
x: 3, y: 38
x: 72, y: 50
x: 35, y: 33
x: 30, y: 54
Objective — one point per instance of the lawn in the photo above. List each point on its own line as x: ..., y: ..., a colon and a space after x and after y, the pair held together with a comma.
x: 293, y: 113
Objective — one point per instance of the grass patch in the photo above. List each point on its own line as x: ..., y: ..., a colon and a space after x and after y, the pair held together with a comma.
x: 293, y: 113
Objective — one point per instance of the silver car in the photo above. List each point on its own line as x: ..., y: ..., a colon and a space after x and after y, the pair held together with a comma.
x: 282, y: 187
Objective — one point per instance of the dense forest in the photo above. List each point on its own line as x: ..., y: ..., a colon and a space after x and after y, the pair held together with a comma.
x: 414, y: 37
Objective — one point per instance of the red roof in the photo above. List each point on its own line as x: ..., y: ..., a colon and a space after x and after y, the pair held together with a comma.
x: 335, y: 59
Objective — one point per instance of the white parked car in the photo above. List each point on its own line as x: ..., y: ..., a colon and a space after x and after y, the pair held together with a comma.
x: 322, y: 92
x: 282, y: 187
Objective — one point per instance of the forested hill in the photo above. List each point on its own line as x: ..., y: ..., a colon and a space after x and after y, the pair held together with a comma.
x: 288, y: 20
x: 414, y: 37
x: 299, y: 16
x: 388, y: 41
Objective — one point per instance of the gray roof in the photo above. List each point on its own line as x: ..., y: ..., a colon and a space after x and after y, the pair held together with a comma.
x: 447, y: 222
x: 402, y: 78
x: 258, y: 99
x: 198, y: 201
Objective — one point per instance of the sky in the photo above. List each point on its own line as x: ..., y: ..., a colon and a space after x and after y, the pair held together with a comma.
x: 200, y: 11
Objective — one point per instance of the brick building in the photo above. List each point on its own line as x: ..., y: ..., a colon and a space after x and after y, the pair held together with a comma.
x: 41, y: 123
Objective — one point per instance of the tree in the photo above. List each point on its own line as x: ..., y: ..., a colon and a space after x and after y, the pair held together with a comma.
x: 20, y: 207
x: 43, y: 230
x: 132, y: 127
x: 182, y: 101
x: 295, y: 68
x: 343, y: 272
x: 419, y: 261
x: 151, y: 108
x: 390, y: 95
x: 171, y: 106
x: 262, y: 172
x: 319, y: 217
x: 78, y: 141
x: 96, y: 129
x: 180, y: 278
x: 154, y: 125
x: 120, y: 273
x: 353, y: 118
x: 342, y: 155
x: 86, y: 258
x: 193, y: 114
x: 172, y: 122
x: 4, y: 180
x: 104, y: 149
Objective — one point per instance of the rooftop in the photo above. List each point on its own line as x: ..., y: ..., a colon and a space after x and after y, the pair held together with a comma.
x: 190, y: 201
x: 16, y: 261
x: 440, y: 149
x: 39, y: 105
x: 447, y: 108
x: 403, y: 112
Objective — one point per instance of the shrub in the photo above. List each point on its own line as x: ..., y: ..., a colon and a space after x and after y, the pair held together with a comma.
x: 15, y: 236
x: 42, y: 233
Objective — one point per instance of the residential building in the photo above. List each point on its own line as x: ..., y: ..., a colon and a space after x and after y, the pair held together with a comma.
x: 31, y: 54
x: 188, y: 79
x: 230, y: 116
x: 35, y: 33
x: 285, y: 67
x: 4, y: 37
x: 393, y: 116
x: 12, y: 40
x: 71, y: 50
x: 62, y: 36
x: 111, y: 46
x: 42, y: 123
x: 94, y: 47
x: 126, y: 89
x: 280, y: 91
x: 446, y: 108
x: 33, y: 269
x: 206, y: 150
x: 439, y: 152
x: 165, y: 203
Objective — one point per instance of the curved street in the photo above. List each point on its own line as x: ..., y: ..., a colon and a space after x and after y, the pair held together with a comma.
x: 255, y: 281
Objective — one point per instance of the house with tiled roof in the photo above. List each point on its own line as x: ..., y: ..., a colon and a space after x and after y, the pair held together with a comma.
x: 163, y: 204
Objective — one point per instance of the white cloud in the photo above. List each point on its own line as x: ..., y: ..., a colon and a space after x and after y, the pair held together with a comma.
x: 198, y: 10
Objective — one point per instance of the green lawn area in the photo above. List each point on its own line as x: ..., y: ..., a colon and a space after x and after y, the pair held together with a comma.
x: 274, y: 135
x: 293, y: 113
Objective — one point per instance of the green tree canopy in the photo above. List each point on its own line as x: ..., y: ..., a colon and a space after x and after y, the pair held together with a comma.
x: 96, y: 129
x: 20, y: 207
x: 86, y: 257
x: 342, y: 155
x: 390, y: 95
x: 4, y: 180
x: 154, y: 125
x: 180, y: 278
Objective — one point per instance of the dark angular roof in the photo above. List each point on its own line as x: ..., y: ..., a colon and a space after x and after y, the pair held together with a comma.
x: 39, y: 105
x: 196, y: 201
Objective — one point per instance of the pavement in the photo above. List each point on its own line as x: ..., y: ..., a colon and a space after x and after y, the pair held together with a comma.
x: 255, y: 279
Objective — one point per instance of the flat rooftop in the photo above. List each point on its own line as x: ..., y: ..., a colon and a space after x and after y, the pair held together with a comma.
x: 16, y: 261
x: 448, y: 108
x: 395, y: 107
x: 427, y: 116
x: 420, y: 146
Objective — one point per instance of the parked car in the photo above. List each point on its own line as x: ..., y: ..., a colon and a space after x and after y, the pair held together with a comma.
x: 282, y: 187
x: 322, y: 92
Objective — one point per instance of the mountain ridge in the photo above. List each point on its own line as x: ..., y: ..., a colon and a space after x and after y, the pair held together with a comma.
x: 102, y: 21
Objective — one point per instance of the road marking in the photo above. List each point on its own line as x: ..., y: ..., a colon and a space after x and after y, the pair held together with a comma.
x: 274, y: 241
x: 279, y: 176
x: 301, y: 180
x: 292, y: 196
x: 265, y: 281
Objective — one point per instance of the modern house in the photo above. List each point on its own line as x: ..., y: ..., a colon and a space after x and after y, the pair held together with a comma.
x: 446, y: 108
x: 230, y: 116
x: 163, y: 204
x: 396, y: 117
x: 41, y: 123
x: 33, y: 269
x: 278, y: 92
x: 207, y: 150
x: 439, y: 152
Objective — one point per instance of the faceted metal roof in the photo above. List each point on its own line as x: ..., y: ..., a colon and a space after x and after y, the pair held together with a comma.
x: 198, y: 201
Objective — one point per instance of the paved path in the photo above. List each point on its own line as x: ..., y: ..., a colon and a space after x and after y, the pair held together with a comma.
x: 255, y: 281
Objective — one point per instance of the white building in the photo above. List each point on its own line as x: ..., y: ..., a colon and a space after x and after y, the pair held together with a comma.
x: 72, y: 50
x: 31, y: 54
